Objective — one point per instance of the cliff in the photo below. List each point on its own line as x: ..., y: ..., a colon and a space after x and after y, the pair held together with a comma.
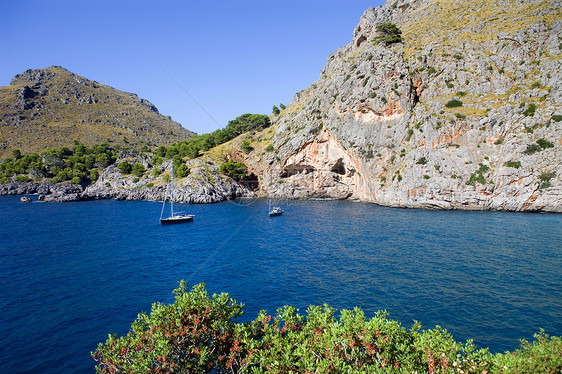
x: 51, y: 107
x: 464, y: 113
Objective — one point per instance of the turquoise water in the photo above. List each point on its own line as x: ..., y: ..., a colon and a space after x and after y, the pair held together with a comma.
x: 71, y: 273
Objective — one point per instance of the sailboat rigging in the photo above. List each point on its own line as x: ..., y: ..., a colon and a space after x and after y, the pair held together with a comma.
x: 177, y: 217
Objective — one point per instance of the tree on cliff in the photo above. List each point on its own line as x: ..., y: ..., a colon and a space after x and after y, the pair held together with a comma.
x: 124, y: 167
x: 235, y: 170
x: 388, y: 34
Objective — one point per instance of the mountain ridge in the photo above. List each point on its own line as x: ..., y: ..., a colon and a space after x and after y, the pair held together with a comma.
x: 51, y: 107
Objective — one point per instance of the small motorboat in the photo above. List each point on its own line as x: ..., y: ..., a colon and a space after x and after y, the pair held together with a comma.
x: 276, y: 211
x: 25, y: 199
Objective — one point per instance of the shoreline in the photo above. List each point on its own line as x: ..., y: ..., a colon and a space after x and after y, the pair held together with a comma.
x: 66, y: 192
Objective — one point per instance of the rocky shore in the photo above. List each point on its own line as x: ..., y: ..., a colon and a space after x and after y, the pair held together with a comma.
x: 204, y: 184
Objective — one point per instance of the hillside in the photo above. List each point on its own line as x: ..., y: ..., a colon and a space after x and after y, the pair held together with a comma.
x: 464, y: 113
x: 51, y: 107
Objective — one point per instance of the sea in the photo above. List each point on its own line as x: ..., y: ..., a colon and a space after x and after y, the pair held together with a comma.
x: 72, y: 273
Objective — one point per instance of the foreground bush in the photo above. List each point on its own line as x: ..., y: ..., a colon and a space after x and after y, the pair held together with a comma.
x: 197, y: 334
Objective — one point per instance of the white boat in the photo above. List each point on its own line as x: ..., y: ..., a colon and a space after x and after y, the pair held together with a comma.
x: 25, y: 199
x: 276, y: 211
x: 178, y: 217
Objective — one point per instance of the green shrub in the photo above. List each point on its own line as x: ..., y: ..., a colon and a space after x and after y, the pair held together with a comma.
x: 538, y: 146
x: 235, y: 170
x: 22, y: 179
x: 198, y: 334
x: 531, y: 148
x: 388, y: 34
x: 181, y: 171
x: 409, y: 135
x: 513, y: 164
x: 499, y: 141
x: 543, y: 143
x: 536, y: 357
x: 556, y: 117
x: 422, y: 161
x: 138, y: 169
x: 545, y: 179
x: 124, y: 167
x: 454, y: 103
x: 246, y: 146
x: 431, y: 70
x: 270, y: 148
x: 530, y: 111
x: 76, y: 180
x: 190, y: 335
x: 478, y: 175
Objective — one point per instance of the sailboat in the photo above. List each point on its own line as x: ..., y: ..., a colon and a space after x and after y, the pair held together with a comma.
x: 276, y: 211
x: 177, y: 217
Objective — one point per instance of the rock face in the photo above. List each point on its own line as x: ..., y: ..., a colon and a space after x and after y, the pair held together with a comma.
x: 204, y: 184
x: 51, y: 107
x: 466, y: 113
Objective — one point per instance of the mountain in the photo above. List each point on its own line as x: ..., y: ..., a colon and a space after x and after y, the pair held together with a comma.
x: 464, y: 113
x: 51, y: 107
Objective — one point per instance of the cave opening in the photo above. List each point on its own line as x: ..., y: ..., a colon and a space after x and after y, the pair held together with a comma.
x: 338, y: 168
x: 361, y: 39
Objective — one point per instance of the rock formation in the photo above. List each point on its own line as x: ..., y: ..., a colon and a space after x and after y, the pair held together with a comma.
x: 465, y: 113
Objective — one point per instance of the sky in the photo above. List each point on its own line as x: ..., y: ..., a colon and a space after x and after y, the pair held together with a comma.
x: 201, y: 62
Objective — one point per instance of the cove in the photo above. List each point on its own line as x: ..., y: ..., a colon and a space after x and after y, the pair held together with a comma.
x: 71, y: 273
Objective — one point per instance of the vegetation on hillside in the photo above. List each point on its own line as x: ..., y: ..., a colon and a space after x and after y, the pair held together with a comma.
x: 79, y: 164
x: 193, y: 146
x: 198, y: 334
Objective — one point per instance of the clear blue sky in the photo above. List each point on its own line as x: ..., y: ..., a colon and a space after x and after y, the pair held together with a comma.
x: 233, y: 57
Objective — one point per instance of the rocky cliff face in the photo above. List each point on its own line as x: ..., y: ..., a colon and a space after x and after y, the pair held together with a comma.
x: 466, y: 113
x: 51, y: 107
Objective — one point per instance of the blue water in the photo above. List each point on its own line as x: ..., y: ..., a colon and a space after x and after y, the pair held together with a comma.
x: 71, y: 273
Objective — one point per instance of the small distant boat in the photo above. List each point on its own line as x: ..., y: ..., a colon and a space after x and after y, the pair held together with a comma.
x: 25, y: 199
x: 177, y: 217
x: 276, y: 211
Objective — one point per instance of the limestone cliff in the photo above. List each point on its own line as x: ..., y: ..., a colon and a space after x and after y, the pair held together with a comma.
x: 465, y: 113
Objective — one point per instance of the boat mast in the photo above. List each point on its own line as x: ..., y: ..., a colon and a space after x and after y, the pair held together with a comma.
x: 172, y: 183
x: 164, y: 202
